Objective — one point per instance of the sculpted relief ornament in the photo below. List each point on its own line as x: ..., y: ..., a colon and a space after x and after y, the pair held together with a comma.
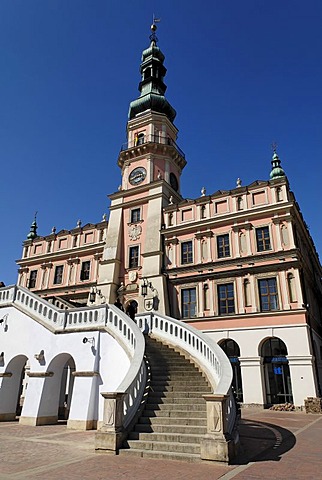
x: 135, y: 232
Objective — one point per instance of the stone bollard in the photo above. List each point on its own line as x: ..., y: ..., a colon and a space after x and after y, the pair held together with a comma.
x: 217, y: 445
x: 111, y: 435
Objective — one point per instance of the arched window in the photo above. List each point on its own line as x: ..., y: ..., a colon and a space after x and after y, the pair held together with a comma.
x: 231, y: 349
x: 278, y: 383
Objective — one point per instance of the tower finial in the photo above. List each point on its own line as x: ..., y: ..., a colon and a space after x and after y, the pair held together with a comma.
x: 153, y: 27
x: 277, y: 171
x: 33, y: 229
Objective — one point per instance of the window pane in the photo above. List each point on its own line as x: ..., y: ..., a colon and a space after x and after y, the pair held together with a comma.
x: 85, y: 271
x: 135, y: 215
x: 226, y: 299
x: 223, y: 247
x: 268, y: 294
x: 188, y: 302
x: 186, y: 252
x: 263, y: 239
x: 134, y: 257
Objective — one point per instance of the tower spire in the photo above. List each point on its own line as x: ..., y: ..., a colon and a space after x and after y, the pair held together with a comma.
x: 33, y: 229
x: 277, y: 171
x: 152, y: 87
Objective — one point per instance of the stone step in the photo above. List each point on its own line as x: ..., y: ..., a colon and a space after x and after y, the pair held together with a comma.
x: 191, y: 421
x: 182, y: 381
x: 190, y: 448
x: 186, y: 457
x: 155, y: 397
x: 171, y: 428
x: 174, y: 387
x: 174, y: 396
x: 173, y: 413
x: 189, y: 407
x: 183, y: 438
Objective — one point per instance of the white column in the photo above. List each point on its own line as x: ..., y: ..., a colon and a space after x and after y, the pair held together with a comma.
x: 252, y: 380
x: 302, y: 378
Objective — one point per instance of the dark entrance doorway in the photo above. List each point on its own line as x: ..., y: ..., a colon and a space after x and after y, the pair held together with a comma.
x: 231, y: 349
x: 278, y: 383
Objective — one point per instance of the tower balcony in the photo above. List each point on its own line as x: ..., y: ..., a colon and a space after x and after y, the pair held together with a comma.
x: 154, y: 139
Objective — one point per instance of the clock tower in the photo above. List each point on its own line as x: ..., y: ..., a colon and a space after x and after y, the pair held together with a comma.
x: 151, y: 164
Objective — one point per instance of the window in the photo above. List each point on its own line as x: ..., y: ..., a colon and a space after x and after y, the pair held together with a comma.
x: 262, y: 239
x: 186, y: 252
x: 139, y: 139
x: 188, y: 302
x: 223, y: 248
x: 85, y: 271
x: 58, y: 278
x: 268, y: 294
x: 135, y: 215
x: 33, y: 279
x: 226, y: 303
x: 134, y: 257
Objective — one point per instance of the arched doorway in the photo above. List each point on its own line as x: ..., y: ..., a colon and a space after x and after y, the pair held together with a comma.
x: 231, y: 349
x: 13, y: 388
x: 277, y: 376
x: 57, y: 391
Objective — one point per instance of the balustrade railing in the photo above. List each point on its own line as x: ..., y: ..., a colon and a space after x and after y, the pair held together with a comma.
x: 200, y: 347
x: 159, y: 139
x: 109, y: 317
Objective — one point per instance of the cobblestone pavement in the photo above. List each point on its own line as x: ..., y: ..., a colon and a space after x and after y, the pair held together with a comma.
x: 274, y: 445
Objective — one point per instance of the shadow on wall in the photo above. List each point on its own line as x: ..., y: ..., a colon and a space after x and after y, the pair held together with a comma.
x: 260, y: 441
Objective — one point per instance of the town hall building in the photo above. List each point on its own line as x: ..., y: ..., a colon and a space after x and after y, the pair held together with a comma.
x: 239, y: 266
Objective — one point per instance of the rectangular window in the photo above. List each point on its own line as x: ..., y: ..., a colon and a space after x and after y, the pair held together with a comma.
x: 262, y: 239
x: 186, y: 252
x: 188, y: 302
x: 226, y: 303
x: 223, y: 248
x: 58, y: 278
x: 32, y: 279
x: 268, y: 294
x: 134, y: 257
x: 85, y: 271
x: 135, y: 215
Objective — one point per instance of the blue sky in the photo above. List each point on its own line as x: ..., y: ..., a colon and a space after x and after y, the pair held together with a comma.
x: 241, y: 74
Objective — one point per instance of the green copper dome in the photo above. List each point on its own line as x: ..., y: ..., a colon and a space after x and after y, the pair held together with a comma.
x: 33, y: 230
x: 277, y: 171
x: 152, y: 87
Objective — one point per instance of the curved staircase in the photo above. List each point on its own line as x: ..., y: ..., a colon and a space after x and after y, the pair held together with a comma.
x: 174, y: 417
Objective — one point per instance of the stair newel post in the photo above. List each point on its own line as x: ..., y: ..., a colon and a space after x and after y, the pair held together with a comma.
x: 216, y: 445
x: 111, y: 434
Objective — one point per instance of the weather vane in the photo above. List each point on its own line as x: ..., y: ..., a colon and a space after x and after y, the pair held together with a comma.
x: 274, y: 146
x: 153, y: 36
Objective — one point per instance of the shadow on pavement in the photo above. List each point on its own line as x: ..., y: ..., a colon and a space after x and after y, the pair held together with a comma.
x: 261, y: 441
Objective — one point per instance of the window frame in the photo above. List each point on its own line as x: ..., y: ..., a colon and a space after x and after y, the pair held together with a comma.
x: 136, y: 264
x: 221, y: 249
x: 58, y: 275
x: 261, y: 242
x: 133, y: 212
x: 189, y: 307
x: 85, y: 274
x: 227, y: 308
x: 269, y: 295
x: 33, y: 279
x: 186, y: 256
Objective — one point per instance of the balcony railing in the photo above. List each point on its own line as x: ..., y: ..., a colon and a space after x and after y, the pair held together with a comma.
x: 152, y: 139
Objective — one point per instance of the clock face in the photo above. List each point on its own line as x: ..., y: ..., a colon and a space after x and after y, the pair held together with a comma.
x: 173, y: 181
x: 137, y: 175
